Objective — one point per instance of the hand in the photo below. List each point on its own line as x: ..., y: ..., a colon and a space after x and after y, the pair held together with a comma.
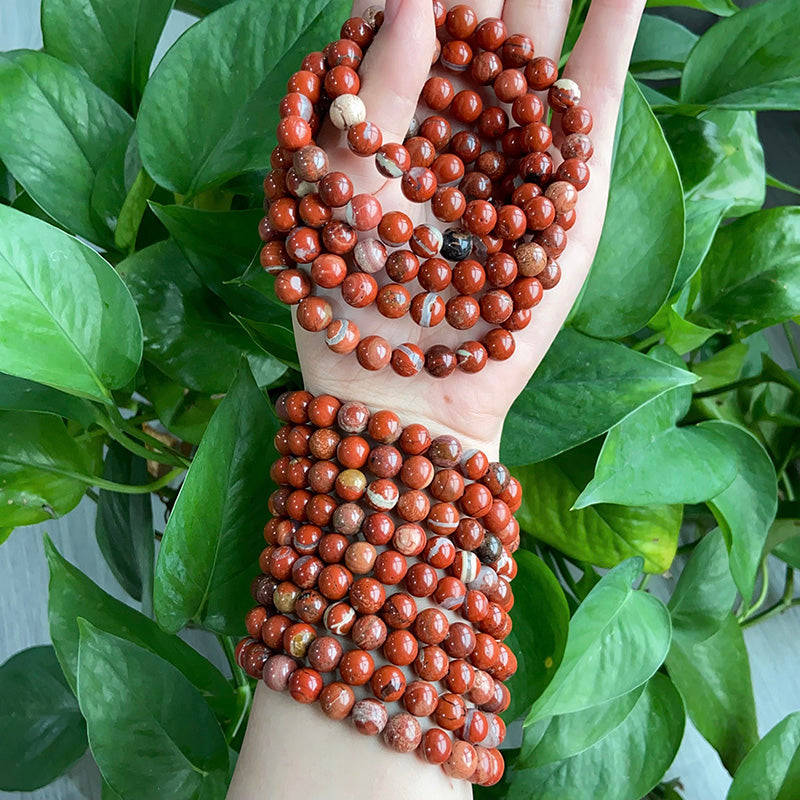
x: 393, y: 73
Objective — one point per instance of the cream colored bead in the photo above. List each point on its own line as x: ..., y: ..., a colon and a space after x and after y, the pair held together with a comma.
x: 347, y: 110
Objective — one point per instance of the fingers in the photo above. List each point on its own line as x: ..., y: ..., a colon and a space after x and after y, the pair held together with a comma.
x: 545, y: 21
x: 599, y: 62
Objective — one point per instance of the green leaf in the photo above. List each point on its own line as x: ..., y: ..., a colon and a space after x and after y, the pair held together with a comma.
x: 724, y: 367
x: 209, y: 552
x: 211, y: 106
x: 73, y: 595
x: 70, y: 126
x: 132, y: 211
x: 38, y: 464
x: 777, y: 183
x: 17, y: 394
x: 697, y: 146
x: 751, y: 275
x: 150, y: 731
x: 220, y: 245
x: 583, y: 387
x: 713, y: 676
x: 112, y: 42
x: 746, y: 509
x: 185, y: 413
x: 748, y: 61
x: 188, y: 333
x: 771, y: 770
x: 786, y: 532
x: 617, y: 639
x: 541, y: 621
x: 124, y: 525
x: 661, y: 48
x: 273, y: 339
x: 67, y: 318
x: 681, y: 335
x: 646, y: 459
x: 603, y: 534
x: 621, y: 294
x: 722, y: 8
x: 624, y: 764
x: 42, y: 732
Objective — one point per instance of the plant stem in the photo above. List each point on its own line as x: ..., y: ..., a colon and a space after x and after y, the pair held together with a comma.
x: 645, y: 343
x: 123, y: 437
x: 787, y: 485
x: 762, y: 595
x: 125, y: 426
x: 787, y: 329
x: 244, y: 693
x: 786, y: 601
x: 729, y: 387
x: 643, y: 585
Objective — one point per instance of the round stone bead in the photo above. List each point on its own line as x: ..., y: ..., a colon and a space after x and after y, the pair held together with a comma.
x: 359, y: 31
x: 401, y: 648
x: 431, y: 626
x: 347, y: 110
x: 388, y: 683
x: 291, y: 286
x: 456, y: 245
x: 293, y: 133
x: 421, y: 580
x: 506, y: 664
x: 402, y: 733
x: 392, y: 160
x: 307, y: 83
x: 467, y: 106
x: 553, y: 239
x: 413, y: 506
x: 420, y: 698
x: 277, y: 672
x: 334, y: 582
x: 456, y: 56
x: 382, y: 495
x: 338, y: 237
x: 436, y: 746
x: 344, y: 52
x: 367, y: 595
x: 390, y: 567
x: 408, y: 360
x: 364, y: 138
x: 337, y: 700
x: 482, y: 688
x: 369, y: 716
x: 417, y: 472
x: 493, y: 124
x: 341, y: 80
x: 448, y: 204
x: 415, y: 439
x: 402, y: 266
x: 450, y: 711
x: 336, y: 190
x: 440, y: 361
x: 486, y: 652
x: 339, y: 618
x: 485, y: 68
x: 356, y: 667
x: 385, y: 461
x: 295, y: 104
x: 445, y: 451
x: 310, y: 606
x: 255, y: 618
x: 431, y: 663
x: 499, y: 344
x: 305, y: 685
x: 496, y: 306
x: 399, y: 611
x: 574, y: 171
x: 476, y: 606
x: 347, y: 518
x: 373, y: 353
x: 443, y: 519
x: 439, y: 552
x: 427, y: 309
x: 460, y: 640
x: 350, y: 485
x: 421, y: 151
x: 324, y: 653
x: 577, y: 145
x: 563, y: 94
x: 450, y: 591
x: 426, y: 241
x: 465, y: 566
x: 509, y: 85
x: 364, y: 212
x: 476, y: 727
x: 409, y: 539
x: 438, y: 93
x: 314, y: 314
x: 551, y: 275
x: 480, y: 217
x: 500, y: 700
x: 496, y: 732
x: 527, y: 292
x: 359, y: 289
x: 418, y: 184
x: 369, y: 632
x: 384, y: 427
x: 272, y: 631
x: 541, y: 73
x: 352, y: 452
x: 370, y: 255
x: 576, y: 120
x: 395, y: 228
x: 378, y: 529
x: 360, y: 557
x: 466, y: 146
x: 460, y: 677
x: 328, y: 270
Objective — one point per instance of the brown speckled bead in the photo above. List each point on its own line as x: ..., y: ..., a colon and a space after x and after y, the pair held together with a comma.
x: 337, y: 700
x: 338, y: 237
x: 369, y: 716
x: 553, y: 239
x: 577, y: 145
x: 347, y: 518
x: 393, y: 301
x: 385, y: 461
x: 536, y: 167
x: 431, y: 626
x: 440, y: 361
x: 402, y: 266
x: 305, y: 685
x: 401, y: 648
x: 369, y: 632
x: 277, y: 672
x: 431, y: 663
x: 413, y: 506
x: 402, y: 733
x: 420, y: 698
x: 310, y: 606
x: 388, y: 683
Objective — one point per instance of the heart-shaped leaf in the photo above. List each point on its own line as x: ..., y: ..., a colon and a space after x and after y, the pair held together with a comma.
x: 539, y: 635
x: 211, y: 106
x: 751, y: 275
x: 67, y: 320
x: 40, y: 465
x: 624, y: 763
x: 70, y: 127
x: 124, y: 525
x: 746, y: 509
x: 750, y: 60
x: 151, y: 732
x: 661, y: 48
x: 73, y: 595
x: 188, y: 333
x: 582, y: 388
x: 209, y: 552
x: 113, y: 41
x: 771, y: 770
x: 42, y: 732
x: 621, y: 294
x: 604, y: 534
x: 617, y: 639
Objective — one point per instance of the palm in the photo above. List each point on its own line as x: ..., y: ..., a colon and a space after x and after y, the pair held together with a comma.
x: 392, y: 75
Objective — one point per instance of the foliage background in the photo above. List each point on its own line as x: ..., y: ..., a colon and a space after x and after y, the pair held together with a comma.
x: 74, y: 537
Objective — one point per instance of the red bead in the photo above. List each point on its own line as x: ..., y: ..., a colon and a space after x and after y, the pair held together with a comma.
x: 460, y: 676
x: 307, y: 83
x: 369, y: 716
x: 431, y: 663
x: 338, y: 237
x: 401, y: 648
x: 451, y: 711
x: 421, y: 152
x: 392, y: 160
x: 443, y: 519
x: 438, y: 93
x: 450, y: 592
x: 316, y: 63
x: 420, y: 699
x: 342, y: 336
x: 462, y: 762
x: 407, y: 359
x: 576, y: 120
x: 402, y: 266
x: 324, y: 653
x: 499, y: 344
x: 526, y: 292
x: 305, y: 685
x: 460, y: 640
x: 485, y: 68
x: 358, y: 30
x: 356, y: 667
x: 436, y: 746
x: 314, y: 314
x: 467, y: 147
x: 336, y: 189
x: 527, y: 108
x: 426, y: 241
x: 468, y: 276
x: 359, y: 289
x: 395, y: 228
x: 388, y: 683
x: 574, y: 171
x: 364, y: 138
x: 419, y: 184
x: 439, y: 552
x: 343, y: 52
x: 456, y: 56
x: 369, y: 632
x: 293, y: 133
x: 440, y: 361
x: 467, y: 106
x: 400, y: 610
x: 427, y: 309
x: 509, y: 85
x: 421, y: 580
x: 415, y: 439
x: 341, y: 80
x: 337, y: 700
x: 471, y: 356
x: 373, y: 352
x: 390, y: 567
x: 493, y: 123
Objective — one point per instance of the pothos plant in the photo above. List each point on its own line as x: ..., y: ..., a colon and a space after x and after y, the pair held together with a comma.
x: 141, y: 366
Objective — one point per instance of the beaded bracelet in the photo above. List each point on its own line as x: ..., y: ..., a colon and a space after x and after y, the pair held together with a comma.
x: 365, y: 505
x: 510, y: 207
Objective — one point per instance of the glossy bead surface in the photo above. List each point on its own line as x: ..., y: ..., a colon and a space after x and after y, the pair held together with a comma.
x: 431, y: 626
x: 369, y: 716
x: 388, y: 683
x: 431, y: 663
x: 427, y: 309
x: 407, y: 359
x: 347, y: 110
x: 277, y: 672
x: 440, y: 361
x: 337, y: 700
x: 419, y: 184
x: 373, y: 353
x: 356, y: 667
x: 392, y: 160
x: 336, y: 190
x: 364, y: 138
x: 400, y: 648
x: 402, y: 733
x: 305, y: 685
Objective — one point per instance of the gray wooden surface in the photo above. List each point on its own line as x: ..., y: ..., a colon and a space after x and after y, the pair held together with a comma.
x: 774, y: 646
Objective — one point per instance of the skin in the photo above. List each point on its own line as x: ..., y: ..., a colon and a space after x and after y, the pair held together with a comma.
x: 291, y: 749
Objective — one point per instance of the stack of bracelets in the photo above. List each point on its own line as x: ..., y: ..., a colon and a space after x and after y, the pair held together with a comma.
x: 366, y: 505
x: 509, y: 205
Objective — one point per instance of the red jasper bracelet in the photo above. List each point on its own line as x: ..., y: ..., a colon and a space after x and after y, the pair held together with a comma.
x: 495, y: 183
x: 387, y: 567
